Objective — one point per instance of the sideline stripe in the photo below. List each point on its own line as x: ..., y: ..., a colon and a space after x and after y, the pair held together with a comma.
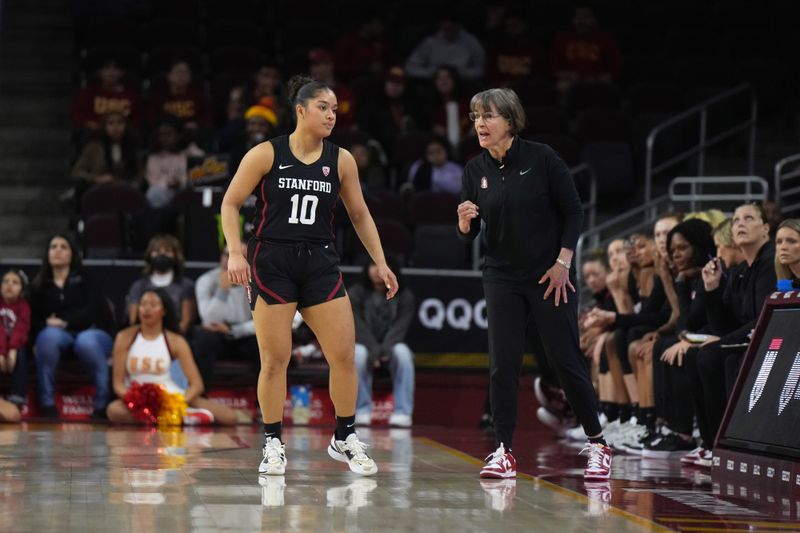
x: 641, y: 521
x: 795, y: 526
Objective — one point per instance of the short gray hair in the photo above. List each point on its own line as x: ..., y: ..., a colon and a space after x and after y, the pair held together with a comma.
x: 507, y: 104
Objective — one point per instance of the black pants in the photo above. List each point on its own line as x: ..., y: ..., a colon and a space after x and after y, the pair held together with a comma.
x: 623, y: 337
x: 712, y: 370
x: 208, y: 346
x: 509, y: 307
x: 672, y: 389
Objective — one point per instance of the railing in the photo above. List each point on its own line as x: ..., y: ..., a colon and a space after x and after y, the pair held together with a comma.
x: 781, y: 177
x: 590, y: 205
x: 703, y: 143
x: 695, y: 191
x: 721, y: 197
x: 580, y: 174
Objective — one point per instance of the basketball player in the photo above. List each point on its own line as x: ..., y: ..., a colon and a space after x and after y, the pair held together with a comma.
x: 292, y: 263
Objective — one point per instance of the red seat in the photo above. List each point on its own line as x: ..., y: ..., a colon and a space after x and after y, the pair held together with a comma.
x: 102, y: 236
x: 111, y: 198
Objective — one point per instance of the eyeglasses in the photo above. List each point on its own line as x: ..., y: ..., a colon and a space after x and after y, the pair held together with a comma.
x: 485, y: 116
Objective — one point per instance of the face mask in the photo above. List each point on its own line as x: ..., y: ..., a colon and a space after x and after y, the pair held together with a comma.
x: 162, y: 263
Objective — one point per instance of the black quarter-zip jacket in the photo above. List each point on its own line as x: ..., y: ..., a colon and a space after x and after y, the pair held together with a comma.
x: 530, y: 206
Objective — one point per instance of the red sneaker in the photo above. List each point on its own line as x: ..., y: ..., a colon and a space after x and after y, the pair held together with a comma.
x: 599, y: 466
x: 698, y: 457
x: 500, y: 464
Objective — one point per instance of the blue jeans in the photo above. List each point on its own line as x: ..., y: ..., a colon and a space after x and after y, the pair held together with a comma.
x: 401, y: 367
x: 92, y: 347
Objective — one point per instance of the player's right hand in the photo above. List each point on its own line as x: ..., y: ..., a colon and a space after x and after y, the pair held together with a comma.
x: 466, y: 212
x: 238, y: 269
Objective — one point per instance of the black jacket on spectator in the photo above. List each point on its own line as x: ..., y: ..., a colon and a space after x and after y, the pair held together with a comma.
x: 399, y: 312
x: 691, y: 305
x: 604, y: 300
x: 79, y: 304
x: 654, y: 312
x: 733, y: 308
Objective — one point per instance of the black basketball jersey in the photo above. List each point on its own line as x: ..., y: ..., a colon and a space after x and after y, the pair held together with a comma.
x: 295, y: 201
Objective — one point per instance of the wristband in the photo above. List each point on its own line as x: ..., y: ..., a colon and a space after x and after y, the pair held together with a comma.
x: 563, y: 263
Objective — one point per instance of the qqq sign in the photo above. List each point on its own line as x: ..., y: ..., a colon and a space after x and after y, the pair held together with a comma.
x: 457, y: 314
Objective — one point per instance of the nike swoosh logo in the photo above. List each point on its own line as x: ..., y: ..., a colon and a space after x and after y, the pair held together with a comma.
x: 351, y: 425
x: 523, y: 172
x: 281, y: 167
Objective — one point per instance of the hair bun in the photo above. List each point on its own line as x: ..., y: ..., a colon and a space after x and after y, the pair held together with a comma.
x: 296, y: 83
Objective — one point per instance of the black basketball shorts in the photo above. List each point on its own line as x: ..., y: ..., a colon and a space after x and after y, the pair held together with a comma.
x: 283, y: 273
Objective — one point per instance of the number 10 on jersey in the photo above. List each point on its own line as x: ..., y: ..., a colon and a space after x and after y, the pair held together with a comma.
x: 307, y: 206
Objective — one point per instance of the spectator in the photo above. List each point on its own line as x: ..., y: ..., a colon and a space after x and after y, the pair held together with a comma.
x: 733, y: 305
x: 69, y: 315
x: 167, y: 164
x: 267, y: 92
x: 690, y: 244
x: 15, y: 319
x: 305, y: 346
x: 108, y: 93
x: 112, y: 156
x: 728, y: 253
x: 381, y: 328
x: 652, y: 311
x: 662, y: 265
x: 361, y: 52
x: 787, y: 250
x: 321, y: 68
x: 515, y: 56
x: 584, y: 53
x: 177, y: 96
x: 231, y: 123
x: 451, y: 46
x: 259, y: 126
x: 392, y: 114
x: 594, y: 273
x: 144, y: 353
x: 450, y: 110
x: 436, y: 173
x: 493, y: 21
x: 226, y: 324
x: 164, y: 269
x: 617, y: 279
x: 370, y: 173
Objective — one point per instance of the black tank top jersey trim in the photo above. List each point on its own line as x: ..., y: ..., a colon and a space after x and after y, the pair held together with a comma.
x: 294, y: 201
